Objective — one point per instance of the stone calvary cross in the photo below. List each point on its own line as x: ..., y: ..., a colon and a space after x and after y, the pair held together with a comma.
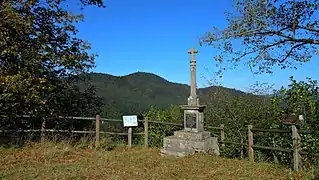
x: 193, y: 138
x: 193, y: 112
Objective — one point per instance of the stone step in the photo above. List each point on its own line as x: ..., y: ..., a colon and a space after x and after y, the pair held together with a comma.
x: 175, y: 142
x: 177, y: 152
x: 192, y: 135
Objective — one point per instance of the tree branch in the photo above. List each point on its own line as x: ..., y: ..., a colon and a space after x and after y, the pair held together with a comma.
x: 290, y: 51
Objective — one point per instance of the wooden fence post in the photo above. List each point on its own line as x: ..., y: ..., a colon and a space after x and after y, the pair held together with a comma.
x: 129, y: 137
x: 146, y: 132
x: 43, y: 130
x: 296, y: 147
x: 250, y: 143
x: 242, y: 147
x: 97, y: 130
x: 222, y: 134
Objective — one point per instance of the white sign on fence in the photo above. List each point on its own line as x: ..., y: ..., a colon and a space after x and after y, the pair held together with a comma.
x: 130, y: 121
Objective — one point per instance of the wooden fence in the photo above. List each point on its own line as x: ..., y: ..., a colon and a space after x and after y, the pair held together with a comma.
x: 296, y: 150
x: 98, y: 121
x: 296, y: 141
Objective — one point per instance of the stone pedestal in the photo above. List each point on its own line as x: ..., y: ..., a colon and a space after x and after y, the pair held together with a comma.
x: 193, y: 117
x: 184, y: 143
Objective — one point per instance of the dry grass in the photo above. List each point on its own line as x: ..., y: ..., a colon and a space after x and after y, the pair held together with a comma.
x: 62, y: 161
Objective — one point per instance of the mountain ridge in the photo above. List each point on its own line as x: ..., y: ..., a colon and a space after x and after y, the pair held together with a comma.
x: 135, y: 92
x: 138, y: 73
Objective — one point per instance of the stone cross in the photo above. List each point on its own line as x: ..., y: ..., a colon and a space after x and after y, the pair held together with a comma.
x: 192, y: 100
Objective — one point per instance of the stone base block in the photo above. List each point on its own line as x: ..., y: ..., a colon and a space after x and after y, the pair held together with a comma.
x: 188, y: 135
x: 185, y: 143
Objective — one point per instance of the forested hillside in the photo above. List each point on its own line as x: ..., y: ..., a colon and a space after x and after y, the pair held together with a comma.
x: 134, y: 93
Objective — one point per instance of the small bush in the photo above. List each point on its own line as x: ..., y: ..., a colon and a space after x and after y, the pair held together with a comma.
x: 106, y: 143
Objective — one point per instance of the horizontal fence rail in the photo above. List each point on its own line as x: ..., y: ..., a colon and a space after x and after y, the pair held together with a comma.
x: 308, y: 132
x: 271, y: 130
x: 166, y: 123
x: 307, y: 153
x: 272, y: 148
x: 66, y: 131
x: 217, y: 128
x: 235, y: 143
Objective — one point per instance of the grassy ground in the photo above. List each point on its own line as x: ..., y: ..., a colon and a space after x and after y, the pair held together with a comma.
x: 62, y: 161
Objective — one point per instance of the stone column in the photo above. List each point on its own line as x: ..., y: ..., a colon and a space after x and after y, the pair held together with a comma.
x: 192, y: 100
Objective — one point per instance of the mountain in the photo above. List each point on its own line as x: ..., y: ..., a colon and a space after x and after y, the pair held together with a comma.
x: 134, y: 93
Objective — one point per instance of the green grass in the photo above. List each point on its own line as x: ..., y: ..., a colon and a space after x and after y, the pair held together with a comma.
x: 63, y: 161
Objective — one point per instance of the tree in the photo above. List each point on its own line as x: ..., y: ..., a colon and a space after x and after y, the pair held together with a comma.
x: 267, y: 33
x: 158, y: 131
x: 41, y: 58
x: 300, y: 98
x: 235, y: 111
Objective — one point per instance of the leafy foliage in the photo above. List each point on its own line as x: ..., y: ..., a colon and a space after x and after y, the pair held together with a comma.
x: 236, y: 112
x: 40, y: 60
x: 301, y: 98
x: 267, y: 33
x: 158, y: 131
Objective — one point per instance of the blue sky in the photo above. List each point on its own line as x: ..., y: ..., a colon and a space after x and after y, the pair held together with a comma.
x: 154, y: 36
